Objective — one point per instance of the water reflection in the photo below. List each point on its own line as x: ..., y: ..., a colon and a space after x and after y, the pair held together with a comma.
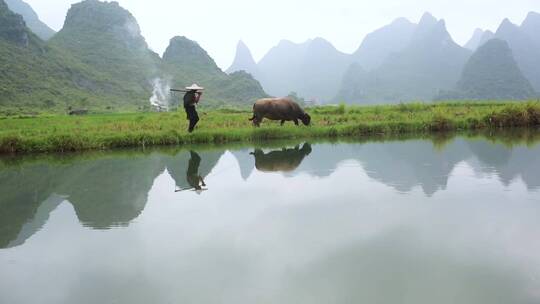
x: 112, y: 190
x: 284, y: 160
x: 105, y: 192
x: 190, y: 175
x: 455, y: 220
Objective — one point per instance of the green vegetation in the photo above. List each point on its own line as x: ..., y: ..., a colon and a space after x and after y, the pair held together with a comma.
x: 187, y: 62
x: 44, y: 75
x: 31, y: 18
x: 101, y: 62
x: 107, y: 37
x: 64, y: 133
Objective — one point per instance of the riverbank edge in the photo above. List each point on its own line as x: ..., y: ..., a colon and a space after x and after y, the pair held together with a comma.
x: 509, y: 116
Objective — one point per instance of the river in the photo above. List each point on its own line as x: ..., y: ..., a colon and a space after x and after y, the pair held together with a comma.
x: 455, y: 220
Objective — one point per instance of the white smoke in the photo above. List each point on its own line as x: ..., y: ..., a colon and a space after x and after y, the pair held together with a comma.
x: 160, y: 95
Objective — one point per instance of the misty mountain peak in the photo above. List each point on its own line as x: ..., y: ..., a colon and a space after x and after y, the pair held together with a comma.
x: 430, y: 33
x: 531, y: 26
x: 320, y: 40
x: 401, y: 21
x: 321, y: 44
x: 474, y: 41
x: 288, y: 44
x: 532, y: 16
x: 440, y: 33
x: 427, y: 20
x: 525, y: 43
x: 441, y: 24
x: 428, y: 28
x: 478, y: 32
x: 243, y: 60
x: 492, y: 72
x: 478, y: 39
x: 379, y: 44
x: 103, y: 19
x: 103, y: 16
x: 241, y: 45
x: 488, y: 33
x: 242, y: 50
x: 183, y: 52
x: 507, y: 25
x: 12, y: 27
x: 285, y: 42
x: 507, y: 29
x: 30, y: 18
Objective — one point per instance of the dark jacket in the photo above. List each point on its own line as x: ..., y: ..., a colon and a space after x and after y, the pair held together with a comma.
x: 191, y: 98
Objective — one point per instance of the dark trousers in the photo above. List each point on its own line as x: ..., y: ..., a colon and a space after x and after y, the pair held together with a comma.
x: 192, y: 116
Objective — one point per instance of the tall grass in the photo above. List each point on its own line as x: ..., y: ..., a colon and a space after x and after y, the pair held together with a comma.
x: 106, y: 131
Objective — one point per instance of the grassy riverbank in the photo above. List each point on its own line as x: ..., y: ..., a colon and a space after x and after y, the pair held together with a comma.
x: 65, y: 133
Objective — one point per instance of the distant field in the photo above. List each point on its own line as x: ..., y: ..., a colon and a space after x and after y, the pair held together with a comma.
x: 66, y: 133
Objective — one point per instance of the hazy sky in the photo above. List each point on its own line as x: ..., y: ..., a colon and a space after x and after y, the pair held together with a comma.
x: 218, y: 25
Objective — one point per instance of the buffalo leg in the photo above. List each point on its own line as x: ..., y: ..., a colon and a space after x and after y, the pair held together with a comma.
x: 282, y: 122
x: 257, y: 121
x: 296, y: 122
x: 254, y: 120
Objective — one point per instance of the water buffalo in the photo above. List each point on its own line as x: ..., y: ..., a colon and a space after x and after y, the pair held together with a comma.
x: 284, y: 109
x: 78, y: 112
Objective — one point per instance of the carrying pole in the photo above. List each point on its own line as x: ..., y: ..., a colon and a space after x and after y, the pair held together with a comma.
x: 178, y: 90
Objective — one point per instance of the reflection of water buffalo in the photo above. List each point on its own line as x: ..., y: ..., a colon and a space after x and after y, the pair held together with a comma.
x: 284, y: 109
x: 284, y: 160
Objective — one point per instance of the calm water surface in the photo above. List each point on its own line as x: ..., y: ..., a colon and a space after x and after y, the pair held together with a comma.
x: 378, y: 222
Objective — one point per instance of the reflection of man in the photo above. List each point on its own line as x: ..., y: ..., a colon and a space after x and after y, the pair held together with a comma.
x: 194, y: 179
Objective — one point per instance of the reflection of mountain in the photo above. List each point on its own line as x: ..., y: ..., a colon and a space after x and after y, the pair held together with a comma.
x: 39, y: 219
x: 245, y: 162
x: 110, y: 192
x: 508, y: 164
x: 524, y: 163
x: 22, y: 190
x: 402, y: 165
x: 325, y: 158
x: 113, y: 190
x: 105, y: 192
x: 490, y: 154
x: 406, y: 165
x: 284, y: 160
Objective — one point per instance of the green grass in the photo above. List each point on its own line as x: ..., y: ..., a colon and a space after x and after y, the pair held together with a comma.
x: 57, y: 133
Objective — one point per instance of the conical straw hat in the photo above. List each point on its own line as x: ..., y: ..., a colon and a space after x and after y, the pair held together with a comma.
x: 194, y: 87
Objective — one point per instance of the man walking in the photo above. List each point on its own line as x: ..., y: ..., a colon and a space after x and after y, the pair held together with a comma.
x: 191, y: 99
